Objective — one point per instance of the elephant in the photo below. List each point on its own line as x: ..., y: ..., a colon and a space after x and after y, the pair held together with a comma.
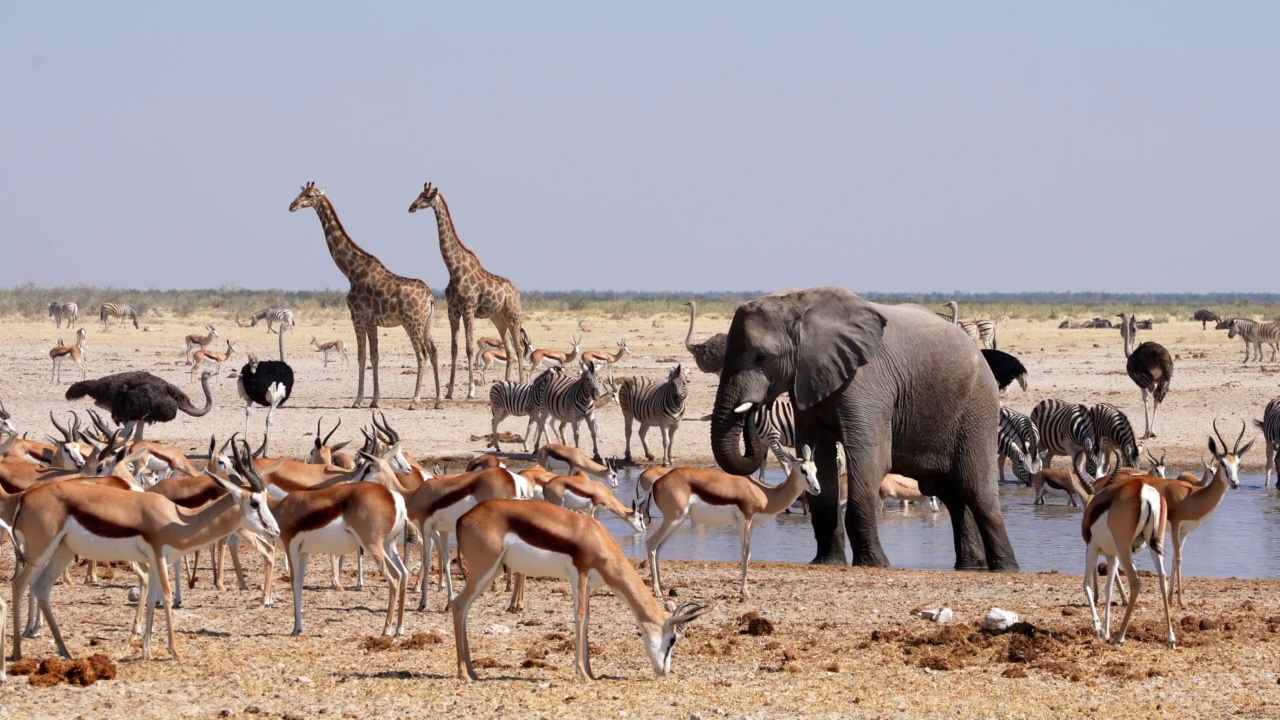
x: 900, y: 389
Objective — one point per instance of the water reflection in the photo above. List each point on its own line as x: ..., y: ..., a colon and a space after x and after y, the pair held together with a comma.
x: 1233, y: 542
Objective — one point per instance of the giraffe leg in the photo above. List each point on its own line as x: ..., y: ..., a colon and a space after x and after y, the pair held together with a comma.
x: 454, y: 317
x: 361, y: 357
x: 372, y: 330
x: 467, y: 326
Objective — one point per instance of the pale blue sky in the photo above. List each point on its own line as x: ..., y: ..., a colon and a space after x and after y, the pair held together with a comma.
x: 896, y: 146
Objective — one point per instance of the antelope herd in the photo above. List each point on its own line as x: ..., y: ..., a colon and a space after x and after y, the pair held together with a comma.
x: 95, y: 494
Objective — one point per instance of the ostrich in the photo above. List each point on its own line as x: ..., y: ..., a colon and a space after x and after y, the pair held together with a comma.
x: 1151, y: 368
x: 137, y: 398
x: 1205, y: 317
x: 708, y: 355
x: 267, y: 383
x: 1006, y: 368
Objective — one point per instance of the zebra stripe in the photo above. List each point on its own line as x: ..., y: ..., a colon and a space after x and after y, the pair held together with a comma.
x: 1255, y: 334
x: 516, y: 399
x: 986, y: 330
x: 654, y: 404
x: 120, y: 310
x: 572, y: 400
x: 273, y: 315
x: 1020, y: 441
x: 64, y: 311
x: 1270, y: 426
x: 1067, y: 429
x: 1114, y: 432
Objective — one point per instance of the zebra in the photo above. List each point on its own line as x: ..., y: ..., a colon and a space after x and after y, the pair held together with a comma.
x: 64, y: 311
x: 1255, y: 334
x: 1128, y: 332
x: 1270, y: 426
x: 1114, y: 431
x: 120, y: 310
x: 775, y: 422
x: 651, y: 403
x: 1020, y: 441
x: 572, y: 400
x: 509, y: 398
x: 986, y: 330
x: 1067, y: 429
x: 273, y: 315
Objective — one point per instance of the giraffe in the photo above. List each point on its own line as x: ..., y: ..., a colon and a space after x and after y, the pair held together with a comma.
x: 378, y: 297
x: 473, y: 292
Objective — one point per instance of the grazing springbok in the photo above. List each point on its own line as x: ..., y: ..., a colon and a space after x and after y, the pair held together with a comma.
x: 552, y: 456
x: 553, y: 358
x: 1058, y: 479
x: 547, y: 541
x: 712, y: 497
x: 579, y: 492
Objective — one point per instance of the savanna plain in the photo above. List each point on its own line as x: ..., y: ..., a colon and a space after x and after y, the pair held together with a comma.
x: 811, y: 641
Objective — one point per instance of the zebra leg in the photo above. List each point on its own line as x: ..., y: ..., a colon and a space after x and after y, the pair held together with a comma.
x: 644, y: 442
x: 627, y: 417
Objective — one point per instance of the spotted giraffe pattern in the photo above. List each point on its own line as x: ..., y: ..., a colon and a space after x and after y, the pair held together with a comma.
x: 473, y: 293
x: 378, y: 298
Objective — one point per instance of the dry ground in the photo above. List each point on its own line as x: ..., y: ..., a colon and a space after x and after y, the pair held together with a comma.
x: 845, y: 641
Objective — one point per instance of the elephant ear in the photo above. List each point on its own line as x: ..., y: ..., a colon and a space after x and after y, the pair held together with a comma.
x: 836, y: 335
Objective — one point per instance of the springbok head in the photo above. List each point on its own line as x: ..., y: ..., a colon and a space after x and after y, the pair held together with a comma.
x: 1229, y: 461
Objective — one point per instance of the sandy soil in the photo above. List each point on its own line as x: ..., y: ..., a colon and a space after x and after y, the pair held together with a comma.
x: 845, y: 642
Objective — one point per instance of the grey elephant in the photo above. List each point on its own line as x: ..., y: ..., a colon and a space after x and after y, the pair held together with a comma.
x: 902, y: 390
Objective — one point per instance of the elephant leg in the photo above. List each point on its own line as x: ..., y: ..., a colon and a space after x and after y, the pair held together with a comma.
x: 968, y: 545
x: 825, y: 508
x: 982, y: 520
x: 860, y: 513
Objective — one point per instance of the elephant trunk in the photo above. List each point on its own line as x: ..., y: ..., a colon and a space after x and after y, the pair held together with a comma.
x: 727, y: 436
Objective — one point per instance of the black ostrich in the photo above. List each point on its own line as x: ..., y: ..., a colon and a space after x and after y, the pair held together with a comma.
x: 1151, y: 368
x: 707, y: 355
x: 138, y: 398
x: 1006, y: 368
x: 267, y: 383
x: 1205, y: 317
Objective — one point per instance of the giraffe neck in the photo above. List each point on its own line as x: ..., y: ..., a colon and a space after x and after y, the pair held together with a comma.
x: 457, y: 257
x: 350, y: 258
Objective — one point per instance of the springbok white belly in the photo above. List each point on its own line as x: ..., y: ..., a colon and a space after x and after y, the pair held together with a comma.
x: 705, y: 513
x: 534, y: 561
x: 332, y: 539
x: 95, y: 547
x: 573, y: 501
x: 446, y: 519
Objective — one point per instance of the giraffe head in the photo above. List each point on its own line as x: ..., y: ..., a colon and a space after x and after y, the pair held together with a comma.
x: 427, y: 199
x: 309, y: 196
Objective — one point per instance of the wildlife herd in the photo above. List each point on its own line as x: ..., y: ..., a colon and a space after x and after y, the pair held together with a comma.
x: 857, y: 401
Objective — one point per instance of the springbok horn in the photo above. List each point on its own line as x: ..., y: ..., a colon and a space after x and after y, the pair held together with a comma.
x: 1235, y: 449
x: 1219, y: 434
x: 66, y: 437
x: 331, y: 432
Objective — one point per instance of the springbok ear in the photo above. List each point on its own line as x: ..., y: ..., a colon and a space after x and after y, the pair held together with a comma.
x: 235, y: 489
x: 836, y: 334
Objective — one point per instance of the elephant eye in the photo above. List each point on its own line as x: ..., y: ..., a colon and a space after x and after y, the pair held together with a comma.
x: 760, y: 358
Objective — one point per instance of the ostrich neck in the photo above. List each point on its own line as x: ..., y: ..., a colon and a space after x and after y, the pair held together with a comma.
x: 688, y: 339
x: 457, y: 257
x: 347, y: 255
x: 281, y: 338
x: 193, y: 411
x: 955, y: 314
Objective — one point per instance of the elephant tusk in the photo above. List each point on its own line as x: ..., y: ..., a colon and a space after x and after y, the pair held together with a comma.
x: 743, y: 407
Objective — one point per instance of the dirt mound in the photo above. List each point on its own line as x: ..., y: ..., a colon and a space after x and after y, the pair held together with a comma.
x: 55, y: 671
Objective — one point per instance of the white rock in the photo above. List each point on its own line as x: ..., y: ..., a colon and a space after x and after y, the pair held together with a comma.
x: 941, y: 615
x: 135, y: 593
x: 497, y: 630
x: 997, y: 620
